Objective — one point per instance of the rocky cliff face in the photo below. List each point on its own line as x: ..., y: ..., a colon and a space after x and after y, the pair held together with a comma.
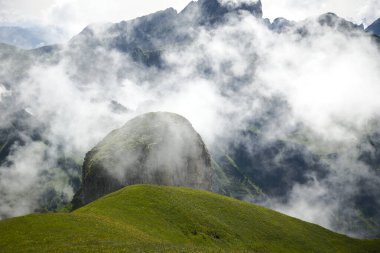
x: 155, y: 148
x: 145, y: 37
x: 374, y: 28
x: 209, y: 12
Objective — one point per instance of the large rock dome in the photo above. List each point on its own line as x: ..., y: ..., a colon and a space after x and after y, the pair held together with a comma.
x: 155, y: 148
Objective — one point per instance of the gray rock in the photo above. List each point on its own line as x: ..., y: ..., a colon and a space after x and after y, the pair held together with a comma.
x: 374, y: 28
x: 155, y: 148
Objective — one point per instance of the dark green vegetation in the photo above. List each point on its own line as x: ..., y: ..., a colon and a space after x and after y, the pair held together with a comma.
x: 230, y: 180
x: 146, y: 218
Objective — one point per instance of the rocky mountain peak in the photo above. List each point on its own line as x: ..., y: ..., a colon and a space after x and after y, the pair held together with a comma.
x: 332, y: 20
x: 155, y: 148
x: 214, y: 11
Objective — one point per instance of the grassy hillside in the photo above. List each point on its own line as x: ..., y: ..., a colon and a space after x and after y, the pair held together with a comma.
x: 168, y: 219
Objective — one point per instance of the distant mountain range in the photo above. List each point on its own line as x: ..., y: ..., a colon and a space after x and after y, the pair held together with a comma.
x: 196, y: 13
x: 20, y: 37
x: 30, y: 37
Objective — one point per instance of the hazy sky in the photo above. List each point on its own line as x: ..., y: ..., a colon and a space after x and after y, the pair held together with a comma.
x: 73, y: 15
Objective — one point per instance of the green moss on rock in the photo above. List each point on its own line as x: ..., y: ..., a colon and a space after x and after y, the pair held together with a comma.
x: 154, y: 148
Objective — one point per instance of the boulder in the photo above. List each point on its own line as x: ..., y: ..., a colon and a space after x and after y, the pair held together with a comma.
x: 155, y: 148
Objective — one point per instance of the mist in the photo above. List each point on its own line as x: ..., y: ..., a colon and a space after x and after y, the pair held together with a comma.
x: 325, y: 83
x: 71, y: 16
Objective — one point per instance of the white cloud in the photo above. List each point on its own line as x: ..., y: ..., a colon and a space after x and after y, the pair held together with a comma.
x: 2, y: 91
x: 325, y: 80
x: 74, y: 15
x: 236, y: 2
x: 364, y: 11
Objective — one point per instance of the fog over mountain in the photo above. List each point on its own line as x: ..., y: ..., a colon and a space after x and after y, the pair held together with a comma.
x: 289, y: 110
x: 73, y: 15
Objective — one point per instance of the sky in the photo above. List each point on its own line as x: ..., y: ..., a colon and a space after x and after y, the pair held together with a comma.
x: 73, y: 15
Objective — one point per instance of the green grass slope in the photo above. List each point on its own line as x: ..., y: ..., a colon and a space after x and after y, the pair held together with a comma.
x: 168, y: 219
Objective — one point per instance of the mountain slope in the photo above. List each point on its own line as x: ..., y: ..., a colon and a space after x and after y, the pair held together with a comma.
x: 168, y: 219
x: 374, y: 28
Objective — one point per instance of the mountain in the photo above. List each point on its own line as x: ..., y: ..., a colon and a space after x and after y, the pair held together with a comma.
x: 17, y: 131
x: 147, y: 218
x: 210, y: 12
x: 330, y: 20
x: 374, y: 28
x: 31, y: 37
x: 20, y: 37
x: 281, y: 25
x: 247, y: 167
x: 154, y: 148
x: 338, y: 23
x: 145, y: 37
x: 274, y: 167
